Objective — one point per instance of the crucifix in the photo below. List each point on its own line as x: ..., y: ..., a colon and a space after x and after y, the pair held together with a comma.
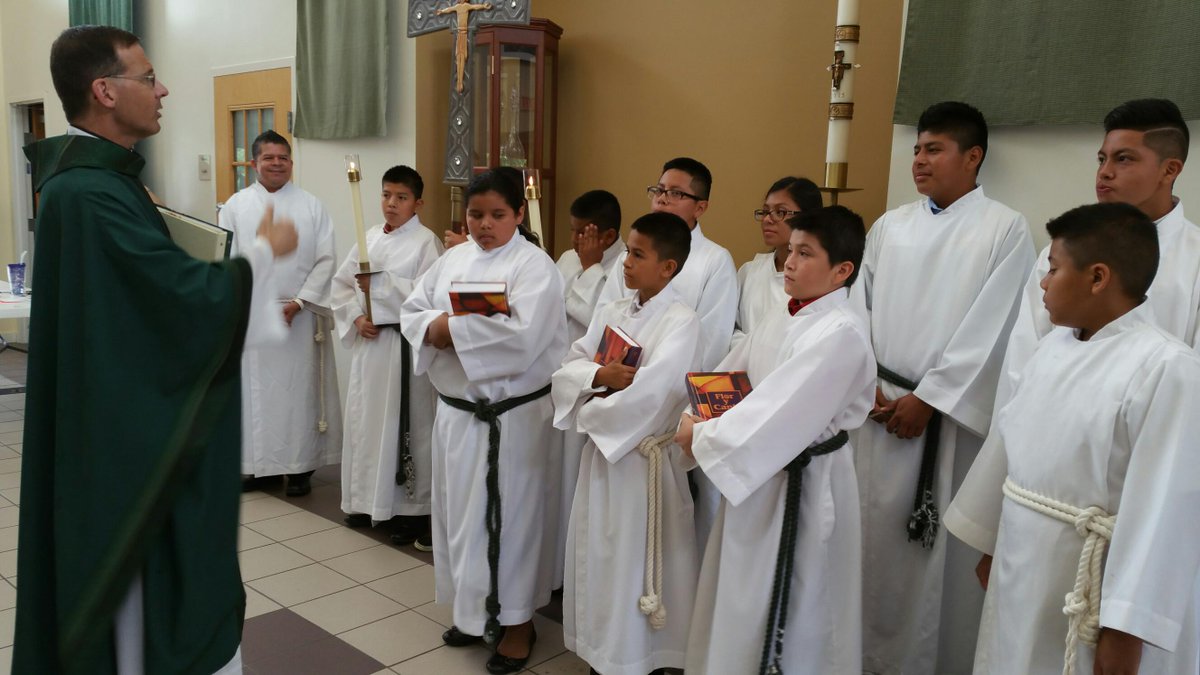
x: 461, y: 17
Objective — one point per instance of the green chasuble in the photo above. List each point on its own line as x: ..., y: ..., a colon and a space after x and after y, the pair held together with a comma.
x: 132, y: 426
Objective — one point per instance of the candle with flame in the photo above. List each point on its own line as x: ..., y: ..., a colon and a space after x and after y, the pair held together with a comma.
x: 533, y: 195
x: 354, y: 176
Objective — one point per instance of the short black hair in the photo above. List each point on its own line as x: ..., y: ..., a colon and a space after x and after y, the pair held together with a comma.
x: 599, y: 207
x: 1115, y: 234
x: 803, y: 191
x: 406, y: 176
x: 841, y: 233
x: 1160, y: 119
x: 81, y: 55
x: 269, y: 136
x: 671, y: 237
x: 960, y: 121
x: 701, y: 176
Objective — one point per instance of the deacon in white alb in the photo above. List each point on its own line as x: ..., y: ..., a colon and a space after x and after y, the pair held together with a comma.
x: 291, y: 412
x: 400, y: 251
x: 940, y: 284
x: 631, y: 547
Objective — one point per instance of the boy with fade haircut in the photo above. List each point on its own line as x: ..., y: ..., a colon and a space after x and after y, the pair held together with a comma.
x: 941, y: 278
x: 1143, y: 153
x: 595, y: 245
x: 707, y: 284
x: 779, y: 552
x: 628, y: 593
x: 386, y: 463
x: 1100, y: 441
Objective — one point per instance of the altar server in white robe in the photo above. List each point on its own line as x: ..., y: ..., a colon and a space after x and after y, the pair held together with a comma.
x: 814, y: 379
x: 1102, y: 421
x: 493, y: 365
x: 707, y: 284
x: 585, y: 267
x: 291, y: 412
x: 760, y: 281
x: 940, y: 283
x: 399, y: 250
x: 632, y: 519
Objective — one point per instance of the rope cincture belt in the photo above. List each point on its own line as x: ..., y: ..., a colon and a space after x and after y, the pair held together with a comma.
x: 781, y: 588
x: 1082, y: 604
x: 924, y: 520
x: 406, y: 473
x: 651, y: 604
x: 490, y: 413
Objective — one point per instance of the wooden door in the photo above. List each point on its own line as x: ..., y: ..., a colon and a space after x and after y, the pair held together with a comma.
x: 245, y: 105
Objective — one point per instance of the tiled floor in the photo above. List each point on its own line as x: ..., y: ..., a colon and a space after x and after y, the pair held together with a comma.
x: 321, y: 598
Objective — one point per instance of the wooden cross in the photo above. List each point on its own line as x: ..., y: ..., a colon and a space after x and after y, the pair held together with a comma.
x: 428, y: 16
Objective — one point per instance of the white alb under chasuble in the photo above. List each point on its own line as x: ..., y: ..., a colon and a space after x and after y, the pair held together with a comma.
x: 291, y: 411
x: 370, y: 443
x: 813, y: 375
x: 940, y: 291
x: 494, y: 359
x: 1117, y: 411
x: 606, y: 555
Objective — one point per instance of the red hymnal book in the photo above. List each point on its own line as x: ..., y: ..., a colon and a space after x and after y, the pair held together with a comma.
x: 714, y: 393
x: 479, y: 297
x: 612, y: 343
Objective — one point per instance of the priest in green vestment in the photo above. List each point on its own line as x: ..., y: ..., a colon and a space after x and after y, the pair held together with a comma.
x: 130, y: 470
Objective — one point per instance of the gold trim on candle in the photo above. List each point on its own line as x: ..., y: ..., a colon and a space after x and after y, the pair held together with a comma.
x: 353, y: 169
x: 836, y: 174
x: 846, y: 34
x: 841, y: 111
x: 533, y: 183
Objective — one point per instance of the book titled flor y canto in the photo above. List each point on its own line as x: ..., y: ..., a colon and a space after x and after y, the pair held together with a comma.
x: 712, y: 394
x: 479, y: 297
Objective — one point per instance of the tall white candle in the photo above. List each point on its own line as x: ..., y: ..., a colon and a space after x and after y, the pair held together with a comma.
x: 847, y: 13
x: 354, y: 175
x: 837, y: 148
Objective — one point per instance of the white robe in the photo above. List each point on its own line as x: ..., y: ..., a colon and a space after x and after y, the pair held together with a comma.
x: 493, y: 358
x: 289, y: 389
x: 606, y: 540
x: 760, y: 292
x: 708, y: 284
x: 581, y: 289
x: 941, y: 292
x: 1118, y: 413
x: 813, y: 375
x: 370, y: 444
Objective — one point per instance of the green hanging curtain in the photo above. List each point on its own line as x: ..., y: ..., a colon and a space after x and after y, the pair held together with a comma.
x: 341, y: 68
x: 118, y: 13
x: 1027, y: 62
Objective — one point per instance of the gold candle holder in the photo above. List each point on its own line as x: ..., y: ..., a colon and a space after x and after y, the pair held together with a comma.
x: 533, y: 195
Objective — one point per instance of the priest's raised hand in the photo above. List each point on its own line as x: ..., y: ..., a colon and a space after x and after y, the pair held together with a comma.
x: 280, y: 234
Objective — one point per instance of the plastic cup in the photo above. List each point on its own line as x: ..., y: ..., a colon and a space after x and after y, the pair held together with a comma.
x: 16, y: 278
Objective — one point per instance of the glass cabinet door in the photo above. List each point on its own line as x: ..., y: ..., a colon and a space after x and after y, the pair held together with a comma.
x: 518, y: 92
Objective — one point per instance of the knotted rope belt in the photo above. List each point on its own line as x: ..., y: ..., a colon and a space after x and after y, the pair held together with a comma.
x: 406, y: 473
x: 651, y: 604
x: 490, y: 413
x: 924, y: 520
x: 1082, y: 604
x: 781, y: 588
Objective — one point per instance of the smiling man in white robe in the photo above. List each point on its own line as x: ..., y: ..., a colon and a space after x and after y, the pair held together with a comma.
x: 940, y: 284
x: 291, y: 412
x: 1100, y: 441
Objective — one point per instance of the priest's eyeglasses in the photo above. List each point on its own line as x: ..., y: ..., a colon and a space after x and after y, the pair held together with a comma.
x: 777, y: 214
x: 150, y: 79
x: 672, y: 195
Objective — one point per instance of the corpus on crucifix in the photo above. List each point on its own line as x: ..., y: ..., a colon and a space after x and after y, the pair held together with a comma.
x: 462, y: 10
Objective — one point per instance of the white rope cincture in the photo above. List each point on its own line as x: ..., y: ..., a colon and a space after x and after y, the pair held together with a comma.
x: 651, y: 604
x: 1082, y: 604
x: 319, y: 338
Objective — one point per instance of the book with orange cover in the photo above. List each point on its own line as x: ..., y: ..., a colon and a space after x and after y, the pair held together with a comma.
x: 714, y: 393
x: 612, y: 343
x: 479, y: 297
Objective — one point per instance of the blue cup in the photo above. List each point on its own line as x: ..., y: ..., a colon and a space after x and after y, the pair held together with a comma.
x: 16, y: 278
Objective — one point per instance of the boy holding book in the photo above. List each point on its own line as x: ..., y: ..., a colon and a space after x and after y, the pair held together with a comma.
x: 1100, y: 440
x: 628, y: 592
x: 389, y: 411
x: 780, y: 584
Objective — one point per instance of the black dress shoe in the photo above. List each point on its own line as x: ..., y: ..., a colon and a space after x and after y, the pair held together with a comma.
x: 252, y: 483
x: 500, y: 664
x: 299, y: 484
x: 456, y: 638
x: 358, y: 520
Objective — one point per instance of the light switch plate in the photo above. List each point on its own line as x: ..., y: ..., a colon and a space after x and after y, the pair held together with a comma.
x: 205, y: 167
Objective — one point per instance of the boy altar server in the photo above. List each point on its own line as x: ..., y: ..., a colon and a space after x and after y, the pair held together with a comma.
x: 940, y: 282
x: 779, y: 552
x: 382, y: 478
x: 622, y: 579
x: 1100, y: 441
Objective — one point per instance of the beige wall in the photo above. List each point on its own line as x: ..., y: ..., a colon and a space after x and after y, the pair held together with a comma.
x: 743, y: 90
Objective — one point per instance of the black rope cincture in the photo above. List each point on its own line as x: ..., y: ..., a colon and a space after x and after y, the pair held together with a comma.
x: 785, y: 559
x: 406, y: 473
x: 490, y: 413
x: 924, y: 521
